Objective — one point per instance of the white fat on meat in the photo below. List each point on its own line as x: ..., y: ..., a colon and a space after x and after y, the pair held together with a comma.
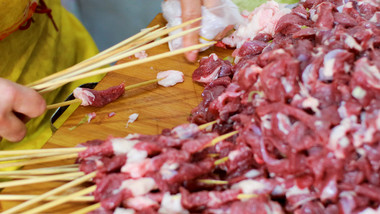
x: 250, y: 186
x: 295, y: 191
x: 371, y: 72
x: 342, y: 110
x: 132, y: 118
x: 213, y: 200
x: 375, y: 17
x: 120, y: 210
x: 266, y: 121
x: 233, y: 154
x: 140, y: 202
x: 338, y: 140
x: 84, y: 95
x: 136, y: 155
x: 351, y: 42
x: 358, y: 92
x: 139, y: 186
x: 262, y: 20
x: 327, y: 71
x: 370, y: 210
x: 185, y: 131
x: 252, y: 173
x: 329, y: 191
x: 168, y: 170
x: 138, y: 169
x: 171, y: 204
x: 169, y: 77
x: 284, y: 124
x: 287, y: 86
x: 122, y: 145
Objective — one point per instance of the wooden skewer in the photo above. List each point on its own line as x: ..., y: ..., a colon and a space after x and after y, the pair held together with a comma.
x: 204, y: 126
x: 39, y: 180
x: 66, y: 103
x: 51, y: 193
x: 124, y: 65
x: 39, y: 151
x: 61, y: 200
x: 37, y: 172
x: 221, y: 160
x: 212, y: 181
x: 28, y: 156
x: 39, y: 160
x: 6, y: 197
x: 87, y: 209
x: 246, y: 196
x: 68, y: 78
x: 25, y: 177
x: 115, y: 51
x: 88, y: 61
x: 146, y: 37
x: 57, y: 105
x: 220, y: 138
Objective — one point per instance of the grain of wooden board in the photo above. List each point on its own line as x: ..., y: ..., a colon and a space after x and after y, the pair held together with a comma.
x: 158, y: 108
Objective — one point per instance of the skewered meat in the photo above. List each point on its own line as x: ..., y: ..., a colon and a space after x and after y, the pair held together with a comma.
x: 96, y: 98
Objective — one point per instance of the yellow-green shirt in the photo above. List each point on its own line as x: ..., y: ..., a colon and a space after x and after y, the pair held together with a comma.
x: 31, y: 54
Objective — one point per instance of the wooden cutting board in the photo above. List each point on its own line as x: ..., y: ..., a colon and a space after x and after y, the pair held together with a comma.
x: 158, y: 108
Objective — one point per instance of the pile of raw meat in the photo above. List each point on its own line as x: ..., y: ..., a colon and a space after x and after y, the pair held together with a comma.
x: 305, y: 101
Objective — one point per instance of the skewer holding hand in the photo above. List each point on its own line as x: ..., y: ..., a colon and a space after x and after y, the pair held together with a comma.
x: 90, y: 97
x: 17, y: 105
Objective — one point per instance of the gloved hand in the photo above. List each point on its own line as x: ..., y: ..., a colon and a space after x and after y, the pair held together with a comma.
x: 219, y: 17
x: 17, y: 104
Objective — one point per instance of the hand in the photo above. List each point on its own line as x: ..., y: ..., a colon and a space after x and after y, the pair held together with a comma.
x: 17, y: 105
x: 191, y: 9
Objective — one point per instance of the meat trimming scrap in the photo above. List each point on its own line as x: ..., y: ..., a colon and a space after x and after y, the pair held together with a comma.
x: 305, y: 102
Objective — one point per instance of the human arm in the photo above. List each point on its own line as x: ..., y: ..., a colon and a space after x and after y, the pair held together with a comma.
x: 17, y: 104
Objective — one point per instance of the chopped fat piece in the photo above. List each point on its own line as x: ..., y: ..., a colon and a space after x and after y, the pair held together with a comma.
x: 120, y: 210
x: 295, y: 190
x: 90, y: 116
x: 139, y: 186
x: 136, y: 155
x: 122, y: 145
x: 249, y: 186
x: 172, y: 204
x: 83, y: 95
x: 171, y: 77
x: 370, y: 210
x: 140, y: 202
x: 351, y: 42
x: 168, y: 170
x: 141, y: 55
x: 359, y: 92
x: 252, y: 173
x: 132, y: 118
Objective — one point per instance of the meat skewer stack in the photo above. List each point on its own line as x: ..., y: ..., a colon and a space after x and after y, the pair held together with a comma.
x: 303, y: 104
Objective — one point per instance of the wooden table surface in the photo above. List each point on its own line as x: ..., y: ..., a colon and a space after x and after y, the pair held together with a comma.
x: 158, y: 108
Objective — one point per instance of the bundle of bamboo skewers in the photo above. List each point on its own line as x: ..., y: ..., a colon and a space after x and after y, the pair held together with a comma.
x: 69, y: 173
x: 146, y: 39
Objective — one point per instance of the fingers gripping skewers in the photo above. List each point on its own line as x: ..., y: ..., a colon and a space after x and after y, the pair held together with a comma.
x: 90, y: 97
